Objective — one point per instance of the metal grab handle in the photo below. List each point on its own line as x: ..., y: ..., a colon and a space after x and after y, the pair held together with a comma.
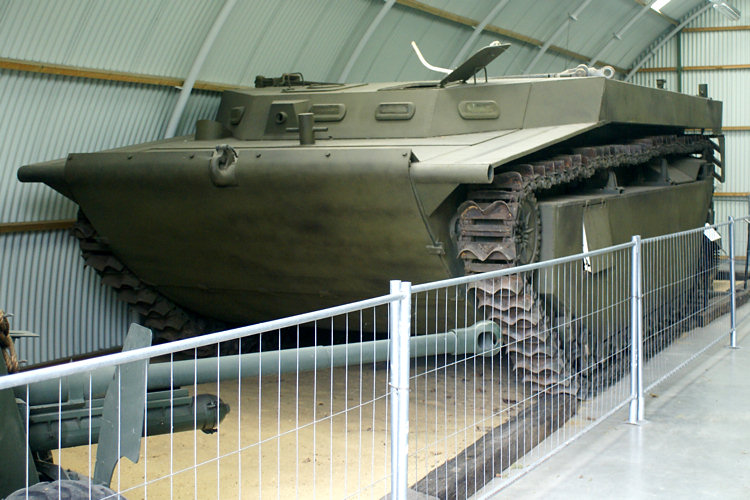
x: 306, y: 128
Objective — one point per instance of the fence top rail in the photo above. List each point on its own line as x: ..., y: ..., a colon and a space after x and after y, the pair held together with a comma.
x: 654, y: 239
x: 145, y: 353
x: 518, y: 269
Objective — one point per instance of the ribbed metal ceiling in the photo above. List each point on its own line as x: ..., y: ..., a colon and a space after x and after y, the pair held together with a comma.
x: 140, y: 36
x: 161, y: 37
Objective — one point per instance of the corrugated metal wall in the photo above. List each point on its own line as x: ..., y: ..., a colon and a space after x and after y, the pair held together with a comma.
x: 42, y: 279
x: 157, y: 37
x: 45, y: 285
x: 716, y: 48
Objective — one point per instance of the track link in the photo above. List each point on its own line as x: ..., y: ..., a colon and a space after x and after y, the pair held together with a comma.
x: 164, y: 317
x: 498, y: 228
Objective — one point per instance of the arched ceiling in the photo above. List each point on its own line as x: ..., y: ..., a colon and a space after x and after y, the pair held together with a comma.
x: 318, y: 38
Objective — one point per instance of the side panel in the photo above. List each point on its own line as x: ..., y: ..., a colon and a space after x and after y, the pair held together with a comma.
x: 616, y: 218
x: 315, y: 226
x: 625, y: 103
x: 564, y: 101
x: 646, y: 211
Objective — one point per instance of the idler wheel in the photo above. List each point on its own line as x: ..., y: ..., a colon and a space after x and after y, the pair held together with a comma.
x: 527, y: 231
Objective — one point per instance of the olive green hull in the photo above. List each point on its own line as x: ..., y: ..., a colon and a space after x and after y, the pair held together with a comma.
x: 292, y: 227
x: 290, y: 237
x: 320, y: 230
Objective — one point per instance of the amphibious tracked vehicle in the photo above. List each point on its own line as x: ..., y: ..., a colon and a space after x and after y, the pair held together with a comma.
x: 302, y: 195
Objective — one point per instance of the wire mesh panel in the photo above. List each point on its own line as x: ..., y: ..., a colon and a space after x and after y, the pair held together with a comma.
x: 734, y: 206
x: 451, y: 389
x: 297, y: 409
x: 742, y: 264
x: 530, y: 358
x: 686, y: 286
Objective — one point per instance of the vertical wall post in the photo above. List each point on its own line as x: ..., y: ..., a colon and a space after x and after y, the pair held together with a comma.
x: 400, y: 328
x: 637, y: 410
x: 732, y: 288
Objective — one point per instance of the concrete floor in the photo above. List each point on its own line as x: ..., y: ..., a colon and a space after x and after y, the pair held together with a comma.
x: 695, y: 442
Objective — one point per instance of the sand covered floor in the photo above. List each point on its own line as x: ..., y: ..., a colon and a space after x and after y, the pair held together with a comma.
x: 318, y: 434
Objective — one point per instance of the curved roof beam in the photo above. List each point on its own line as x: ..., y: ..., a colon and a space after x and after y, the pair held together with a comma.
x: 572, y: 17
x: 200, y: 58
x: 669, y: 36
x: 365, y: 38
x: 618, y: 36
x: 511, y: 35
x: 478, y: 31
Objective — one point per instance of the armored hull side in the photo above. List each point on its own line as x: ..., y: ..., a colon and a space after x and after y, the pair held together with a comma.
x: 299, y: 231
x: 247, y: 223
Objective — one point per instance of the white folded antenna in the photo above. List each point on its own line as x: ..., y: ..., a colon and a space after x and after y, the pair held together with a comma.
x: 425, y: 63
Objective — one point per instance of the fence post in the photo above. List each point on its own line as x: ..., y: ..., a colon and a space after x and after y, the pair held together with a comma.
x: 732, y: 288
x: 400, y: 328
x: 637, y: 410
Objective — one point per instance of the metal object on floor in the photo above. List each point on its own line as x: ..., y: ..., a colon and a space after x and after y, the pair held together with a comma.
x: 108, y: 408
x: 73, y: 421
x: 20, y: 470
x: 483, y: 338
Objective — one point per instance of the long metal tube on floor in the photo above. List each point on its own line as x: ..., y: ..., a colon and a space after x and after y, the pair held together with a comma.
x: 483, y: 338
x: 78, y: 427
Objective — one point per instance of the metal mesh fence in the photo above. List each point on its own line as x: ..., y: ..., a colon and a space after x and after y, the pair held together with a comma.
x: 729, y: 205
x: 742, y: 249
x: 452, y: 389
x: 525, y: 345
x: 297, y: 410
x: 686, y: 286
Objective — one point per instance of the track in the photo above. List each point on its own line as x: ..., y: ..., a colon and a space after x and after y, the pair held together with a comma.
x: 499, y: 227
x: 164, y: 317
